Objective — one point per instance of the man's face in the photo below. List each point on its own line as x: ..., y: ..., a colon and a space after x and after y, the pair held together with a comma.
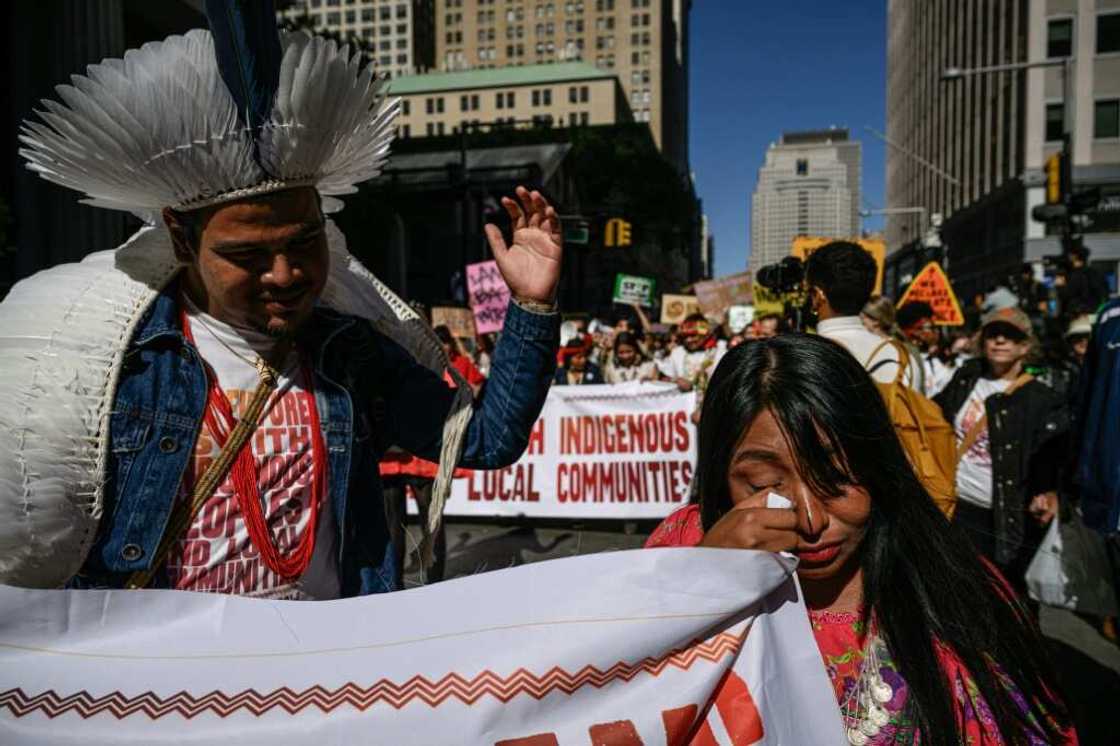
x: 261, y: 263
x: 923, y: 333
x: 767, y: 328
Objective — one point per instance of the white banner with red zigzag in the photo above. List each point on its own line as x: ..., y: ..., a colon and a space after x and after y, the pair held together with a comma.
x: 649, y: 647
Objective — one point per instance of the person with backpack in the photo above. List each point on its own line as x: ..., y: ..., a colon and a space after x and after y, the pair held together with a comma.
x: 840, y: 277
x: 1012, y: 435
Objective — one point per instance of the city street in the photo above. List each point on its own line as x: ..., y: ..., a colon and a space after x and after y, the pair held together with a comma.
x: 1089, y: 664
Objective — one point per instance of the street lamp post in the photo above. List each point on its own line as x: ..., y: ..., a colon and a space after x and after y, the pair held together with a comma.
x: 1066, y: 63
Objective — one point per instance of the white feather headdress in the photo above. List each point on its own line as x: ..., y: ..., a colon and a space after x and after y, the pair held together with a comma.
x: 159, y: 128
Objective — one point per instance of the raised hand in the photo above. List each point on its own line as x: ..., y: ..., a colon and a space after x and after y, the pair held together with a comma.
x: 531, y: 264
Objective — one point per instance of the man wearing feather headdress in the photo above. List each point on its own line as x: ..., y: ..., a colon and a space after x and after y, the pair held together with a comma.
x: 198, y: 409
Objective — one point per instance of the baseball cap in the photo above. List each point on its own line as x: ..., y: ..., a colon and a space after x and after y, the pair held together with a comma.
x: 1011, y: 315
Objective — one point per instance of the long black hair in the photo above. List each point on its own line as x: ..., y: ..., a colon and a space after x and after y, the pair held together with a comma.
x: 922, y: 579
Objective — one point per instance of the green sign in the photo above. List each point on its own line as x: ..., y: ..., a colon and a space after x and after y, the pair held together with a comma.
x: 634, y: 289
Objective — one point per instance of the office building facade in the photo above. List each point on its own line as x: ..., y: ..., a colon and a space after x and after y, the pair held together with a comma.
x: 399, y: 34
x: 642, y: 42
x: 808, y: 186
x: 563, y: 95
x: 972, y: 149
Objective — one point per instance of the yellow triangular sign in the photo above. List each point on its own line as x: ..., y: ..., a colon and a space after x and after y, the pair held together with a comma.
x: 932, y: 286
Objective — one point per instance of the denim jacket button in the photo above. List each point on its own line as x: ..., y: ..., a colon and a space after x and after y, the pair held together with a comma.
x: 168, y: 444
x: 185, y: 352
x: 132, y: 552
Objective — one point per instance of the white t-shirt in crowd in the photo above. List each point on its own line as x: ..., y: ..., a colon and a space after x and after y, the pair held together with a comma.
x: 937, y: 374
x: 850, y: 332
x: 974, y: 472
x: 216, y: 554
x: 680, y: 363
x: 642, y: 371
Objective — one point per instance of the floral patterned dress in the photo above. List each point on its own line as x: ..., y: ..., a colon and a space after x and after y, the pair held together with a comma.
x: 841, y: 638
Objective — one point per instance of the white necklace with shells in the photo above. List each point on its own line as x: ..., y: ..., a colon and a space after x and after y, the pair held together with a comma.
x: 864, y: 710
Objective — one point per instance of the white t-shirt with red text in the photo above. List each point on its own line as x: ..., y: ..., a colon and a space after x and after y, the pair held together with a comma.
x: 216, y: 554
x: 974, y: 472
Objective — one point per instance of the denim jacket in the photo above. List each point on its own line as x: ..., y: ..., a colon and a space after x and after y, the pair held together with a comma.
x: 371, y: 395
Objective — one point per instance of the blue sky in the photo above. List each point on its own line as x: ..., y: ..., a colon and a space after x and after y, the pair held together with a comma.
x: 759, y: 68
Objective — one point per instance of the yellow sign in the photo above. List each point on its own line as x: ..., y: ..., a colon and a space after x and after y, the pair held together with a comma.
x: 617, y: 233
x: 803, y: 246
x: 932, y: 286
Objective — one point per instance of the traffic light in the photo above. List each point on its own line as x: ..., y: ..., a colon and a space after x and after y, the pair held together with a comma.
x: 1053, y: 171
x: 617, y: 233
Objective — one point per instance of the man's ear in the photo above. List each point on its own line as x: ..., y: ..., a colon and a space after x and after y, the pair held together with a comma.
x: 182, y: 238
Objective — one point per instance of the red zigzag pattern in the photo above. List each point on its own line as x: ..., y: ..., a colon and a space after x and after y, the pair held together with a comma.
x: 418, y: 688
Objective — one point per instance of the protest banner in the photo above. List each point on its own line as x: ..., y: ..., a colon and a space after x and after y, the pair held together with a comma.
x: 716, y: 296
x: 459, y: 321
x: 739, y: 318
x: 489, y: 296
x: 633, y: 289
x: 676, y: 308
x: 932, y: 286
x: 597, y: 451
x: 641, y: 648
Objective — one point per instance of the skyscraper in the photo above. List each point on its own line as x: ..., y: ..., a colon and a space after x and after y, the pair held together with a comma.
x: 809, y: 186
x: 972, y: 149
x: 643, y: 42
x: 400, y: 32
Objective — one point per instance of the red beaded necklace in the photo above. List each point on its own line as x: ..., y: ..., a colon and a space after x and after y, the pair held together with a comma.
x: 245, y: 475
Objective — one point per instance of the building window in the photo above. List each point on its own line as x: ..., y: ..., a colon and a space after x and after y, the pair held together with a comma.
x: 429, y: 107
x: 500, y: 100
x: 464, y: 103
x: 430, y: 128
x: 474, y: 102
x: 573, y: 95
x: 802, y: 166
x: 1108, y: 33
x: 405, y: 107
x: 1059, y: 38
x: 1055, y: 122
x: 406, y: 131
x: 546, y: 97
x: 536, y: 98
x: 583, y: 94
x: 1106, y: 119
x: 584, y: 117
x: 439, y: 128
x: 334, y: 18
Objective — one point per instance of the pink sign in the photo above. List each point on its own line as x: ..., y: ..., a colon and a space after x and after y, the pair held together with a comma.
x: 489, y: 296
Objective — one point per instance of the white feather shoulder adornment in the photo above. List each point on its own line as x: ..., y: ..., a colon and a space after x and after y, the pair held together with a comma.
x: 159, y: 128
x: 63, y: 335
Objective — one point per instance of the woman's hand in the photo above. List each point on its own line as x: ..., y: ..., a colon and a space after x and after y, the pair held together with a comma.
x: 748, y: 525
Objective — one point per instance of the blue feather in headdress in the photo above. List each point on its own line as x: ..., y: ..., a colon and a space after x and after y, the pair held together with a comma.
x: 247, y: 48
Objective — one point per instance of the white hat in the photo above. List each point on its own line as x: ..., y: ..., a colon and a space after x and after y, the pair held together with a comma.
x: 1080, y: 325
x: 159, y: 128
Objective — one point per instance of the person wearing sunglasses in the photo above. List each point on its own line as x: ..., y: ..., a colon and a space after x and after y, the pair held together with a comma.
x: 1012, y: 434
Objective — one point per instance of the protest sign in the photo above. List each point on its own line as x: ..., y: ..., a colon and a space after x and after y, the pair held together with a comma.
x: 716, y: 296
x: 633, y: 289
x: 489, y: 296
x: 932, y: 286
x: 597, y: 451
x: 804, y: 246
x: 676, y: 308
x: 641, y: 648
x: 739, y: 318
x: 459, y: 321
